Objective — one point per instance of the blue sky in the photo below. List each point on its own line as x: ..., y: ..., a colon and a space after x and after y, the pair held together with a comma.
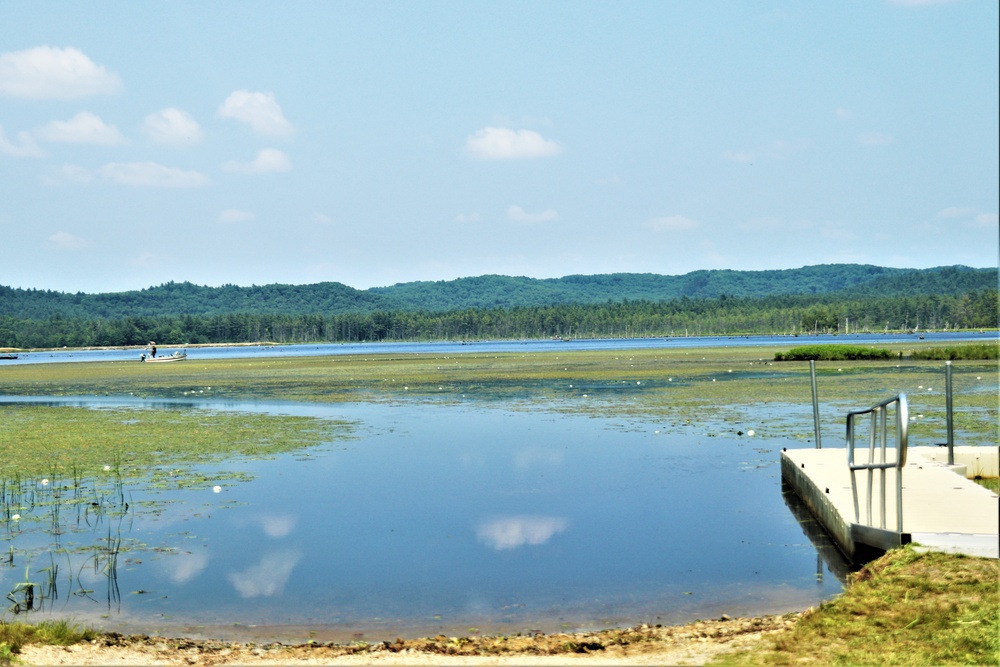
x: 371, y: 143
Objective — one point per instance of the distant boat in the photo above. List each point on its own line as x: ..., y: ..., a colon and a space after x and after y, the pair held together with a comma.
x: 176, y: 356
x: 8, y: 356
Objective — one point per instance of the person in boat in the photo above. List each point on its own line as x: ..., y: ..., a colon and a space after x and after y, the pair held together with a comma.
x: 152, y: 348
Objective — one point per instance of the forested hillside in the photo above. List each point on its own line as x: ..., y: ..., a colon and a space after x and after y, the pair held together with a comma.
x: 492, y: 292
x: 814, y: 299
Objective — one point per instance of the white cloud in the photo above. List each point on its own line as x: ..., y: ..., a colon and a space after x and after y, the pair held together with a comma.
x: 268, y: 577
x: 518, y: 214
x: 501, y: 143
x: 779, y: 149
x: 172, y: 127
x: 467, y: 217
x: 258, y: 110
x: 672, y: 223
x: 919, y: 3
x: 517, y: 531
x: 67, y: 241
x: 988, y: 220
x: 68, y: 173
x: 25, y: 146
x: 146, y: 259
x: 151, y: 174
x: 83, y: 128
x: 268, y: 161
x: 46, y: 72
x: 235, y: 215
x: 738, y: 156
x: 874, y: 139
x: 955, y: 212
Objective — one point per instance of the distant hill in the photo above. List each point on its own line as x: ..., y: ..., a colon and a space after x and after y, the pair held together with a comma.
x: 493, y: 291
x: 502, y: 291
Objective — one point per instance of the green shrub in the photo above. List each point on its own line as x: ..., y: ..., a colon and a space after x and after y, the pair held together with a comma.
x: 975, y: 351
x: 833, y: 353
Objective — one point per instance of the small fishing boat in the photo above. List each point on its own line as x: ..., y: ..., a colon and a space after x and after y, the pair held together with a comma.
x: 7, y: 357
x: 176, y: 356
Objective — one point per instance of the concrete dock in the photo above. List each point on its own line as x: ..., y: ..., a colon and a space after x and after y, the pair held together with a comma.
x: 943, y: 509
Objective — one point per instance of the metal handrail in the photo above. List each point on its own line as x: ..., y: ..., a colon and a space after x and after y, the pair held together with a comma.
x: 879, y: 414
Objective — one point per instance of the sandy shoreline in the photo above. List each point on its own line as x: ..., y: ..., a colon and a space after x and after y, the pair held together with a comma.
x: 690, y: 644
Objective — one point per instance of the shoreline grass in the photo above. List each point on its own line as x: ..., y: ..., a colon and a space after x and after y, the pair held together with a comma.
x: 907, y: 608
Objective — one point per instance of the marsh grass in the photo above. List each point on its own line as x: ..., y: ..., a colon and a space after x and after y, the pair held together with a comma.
x: 67, y: 442
x: 15, y: 635
x: 710, y: 389
x: 907, y: 608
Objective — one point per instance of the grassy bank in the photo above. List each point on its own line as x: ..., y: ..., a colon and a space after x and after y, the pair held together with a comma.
x: 907, y: 608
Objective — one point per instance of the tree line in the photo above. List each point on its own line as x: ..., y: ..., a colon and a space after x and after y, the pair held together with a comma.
x: 724, y: 315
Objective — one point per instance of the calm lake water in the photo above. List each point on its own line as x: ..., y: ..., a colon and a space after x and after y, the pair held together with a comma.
x: 435, y: 518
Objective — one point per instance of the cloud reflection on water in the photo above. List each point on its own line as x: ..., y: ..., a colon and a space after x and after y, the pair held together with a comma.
x: 268, y: 577
x: 517, y: 531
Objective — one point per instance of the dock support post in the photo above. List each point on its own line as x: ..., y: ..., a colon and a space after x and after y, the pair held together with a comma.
x: 812, y: 373
x: 948, y: 417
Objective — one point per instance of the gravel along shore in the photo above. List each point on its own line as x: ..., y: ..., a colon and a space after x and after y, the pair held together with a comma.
x: 691, y: 644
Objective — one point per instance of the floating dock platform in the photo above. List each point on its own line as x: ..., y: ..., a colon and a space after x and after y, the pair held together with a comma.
x: 943, y: 509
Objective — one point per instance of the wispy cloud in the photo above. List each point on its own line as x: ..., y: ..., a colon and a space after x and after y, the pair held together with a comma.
x: 260, y: 111
x: 83, y: 128
x: 518, y: 214
x: 672, y: 223
x: 67, y: 241
x: 232, y: 215
x: 513, y: 532
x: 874, y: 139
x: 25, y: 146
x: 919, y: 3
x: 151, y: 174
x: 987, y: 220
x: 268, y: 161
x: 743, y: 157
x: 46, y: 72
x: 502, y: 143
x: 467, y: 217
x: 172, y: 127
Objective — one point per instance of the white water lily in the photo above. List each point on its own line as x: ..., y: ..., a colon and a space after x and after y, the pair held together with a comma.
x: 216, y: 489
x: 16, y: 517
x: 45, y: 482
x: 106, y: 468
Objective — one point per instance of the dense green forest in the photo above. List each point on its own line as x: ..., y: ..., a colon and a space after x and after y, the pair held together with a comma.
x: 828, y: 298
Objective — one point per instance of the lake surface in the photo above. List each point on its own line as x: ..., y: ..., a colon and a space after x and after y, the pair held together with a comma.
x: 432, y: 518
x: 453, y: 347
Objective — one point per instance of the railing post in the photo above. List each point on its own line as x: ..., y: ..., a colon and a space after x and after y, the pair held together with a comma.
x: 948, y: 418
x: 812, y: 373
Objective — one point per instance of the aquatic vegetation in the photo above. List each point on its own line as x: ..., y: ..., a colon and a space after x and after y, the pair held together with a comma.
x: 132, y: 442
